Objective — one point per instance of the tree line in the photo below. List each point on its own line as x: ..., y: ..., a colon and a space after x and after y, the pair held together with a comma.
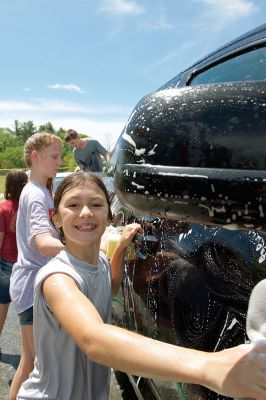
x: 12, y: 145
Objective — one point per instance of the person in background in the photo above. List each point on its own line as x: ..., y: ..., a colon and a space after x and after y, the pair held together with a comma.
x: 88, y: 153
x: 37, y: 240
x: 14, y: 183
x: 74, y: 340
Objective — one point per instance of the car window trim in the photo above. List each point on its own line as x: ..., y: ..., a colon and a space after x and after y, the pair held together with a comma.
x: 242, y: 50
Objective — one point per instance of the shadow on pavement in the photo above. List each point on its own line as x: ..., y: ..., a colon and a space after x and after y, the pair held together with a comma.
x: 11, y: 359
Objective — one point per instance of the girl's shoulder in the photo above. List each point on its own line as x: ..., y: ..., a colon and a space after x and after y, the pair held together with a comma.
x: 9, y: 204
x: 34, y: 192
x: 57, y: 265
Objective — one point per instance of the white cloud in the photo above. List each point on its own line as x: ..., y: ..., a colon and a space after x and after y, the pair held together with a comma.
x: 214, y: 24
x: 54, y: 106
x: 159, y: 22
x: 69, y: 86
x: 27, y: 89
x: 155, y: 20
x: 163, y: 60
x: 215, y: 17
x: 96, y: 121
x: 13, y: 106
x: 170, y: 56
x: 231, y: 8
x: 120, y: 7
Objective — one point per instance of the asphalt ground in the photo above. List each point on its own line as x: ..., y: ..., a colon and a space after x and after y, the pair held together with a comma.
x: 10, y: 353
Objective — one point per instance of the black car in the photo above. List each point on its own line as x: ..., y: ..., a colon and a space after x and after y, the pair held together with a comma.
x: 190, y: 166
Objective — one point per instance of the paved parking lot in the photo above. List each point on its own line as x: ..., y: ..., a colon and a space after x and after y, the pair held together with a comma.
x: 10, y: 345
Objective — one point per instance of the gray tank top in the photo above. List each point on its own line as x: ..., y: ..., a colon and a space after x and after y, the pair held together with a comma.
x: 61, y: 370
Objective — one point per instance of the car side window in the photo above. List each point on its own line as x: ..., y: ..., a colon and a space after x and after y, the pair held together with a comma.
x: 248, y: 66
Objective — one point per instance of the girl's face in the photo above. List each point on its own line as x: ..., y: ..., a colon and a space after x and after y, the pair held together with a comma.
x: 83, y: 216
x: 50, y: 159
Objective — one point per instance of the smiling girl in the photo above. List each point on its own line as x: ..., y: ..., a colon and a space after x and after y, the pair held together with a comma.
x: 74, y: 339
x: 37, y: 240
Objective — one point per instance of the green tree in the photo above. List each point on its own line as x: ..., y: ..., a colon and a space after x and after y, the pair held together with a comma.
x: 61, y: 133
x: 6, y: 131
x: 24, y: 130
x: 12, y: 145
x: 69, y: 162
x: 12, y: 157
x: 47, y: 128
x: 7, y: 139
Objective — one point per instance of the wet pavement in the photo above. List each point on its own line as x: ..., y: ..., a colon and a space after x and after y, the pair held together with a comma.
x: 10, y: 346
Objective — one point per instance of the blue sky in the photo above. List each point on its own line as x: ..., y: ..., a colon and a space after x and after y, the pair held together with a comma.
x: 84, y: 64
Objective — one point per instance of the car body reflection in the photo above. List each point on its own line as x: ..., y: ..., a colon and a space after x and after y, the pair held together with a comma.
x: 193, y: 292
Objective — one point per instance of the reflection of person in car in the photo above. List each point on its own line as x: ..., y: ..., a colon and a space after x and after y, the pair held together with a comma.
x: 210, y: 298
x: 216, y: 284
x: 75, y: 341
x: 14, y: 183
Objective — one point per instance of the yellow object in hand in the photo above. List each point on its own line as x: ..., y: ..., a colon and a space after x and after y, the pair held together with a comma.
x: 113, y: 239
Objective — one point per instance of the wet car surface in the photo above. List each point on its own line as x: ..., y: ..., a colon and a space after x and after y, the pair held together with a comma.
x: 190, y: 166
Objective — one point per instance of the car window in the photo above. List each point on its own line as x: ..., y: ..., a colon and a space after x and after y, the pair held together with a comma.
x: 249, y: 66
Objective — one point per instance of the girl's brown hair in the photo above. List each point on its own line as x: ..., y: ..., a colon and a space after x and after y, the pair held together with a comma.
x: 76, y: 179
x: 15, y: 182
x: 39, y: 141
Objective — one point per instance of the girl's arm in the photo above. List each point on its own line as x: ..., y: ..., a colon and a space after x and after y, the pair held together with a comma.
x: 47, y: 245
x: 117, y: 260
x: 40, y: 228
x: 236, y: 372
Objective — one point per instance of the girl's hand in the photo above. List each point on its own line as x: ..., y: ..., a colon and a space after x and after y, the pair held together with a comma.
x: 117, y: 258
x: 128, y: 234
x: 240, y: 371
